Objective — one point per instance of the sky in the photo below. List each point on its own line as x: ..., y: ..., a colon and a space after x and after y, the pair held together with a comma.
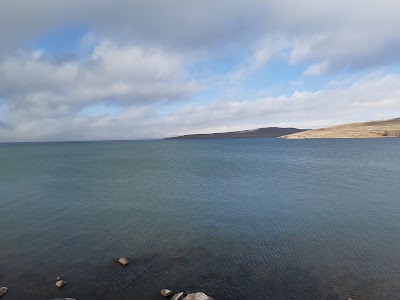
x: 111, y: 70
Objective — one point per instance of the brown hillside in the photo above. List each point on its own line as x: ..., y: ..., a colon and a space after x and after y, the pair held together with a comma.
x: 373, y: 129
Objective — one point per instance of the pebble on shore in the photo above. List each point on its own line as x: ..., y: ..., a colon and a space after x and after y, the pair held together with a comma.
x: 178, y: 296
x: 166, y: 292
x: 198, y: 296
x: 3, y: 291
x: 123, y: 261
x: 60, y: 283
x: 183, y: 296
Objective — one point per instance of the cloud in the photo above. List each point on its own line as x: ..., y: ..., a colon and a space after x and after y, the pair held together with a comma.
x: 265, y: 50
x: 174, y: 23
x: 44, y: 98
x: 117, y: 74
x: 317, y: 69
x: 348, y: 34
x: 369, y: 98
x: 366, y: 99
x: 304, y: 47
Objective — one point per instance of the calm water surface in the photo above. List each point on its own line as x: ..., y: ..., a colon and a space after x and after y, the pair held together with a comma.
x: 238, y: 219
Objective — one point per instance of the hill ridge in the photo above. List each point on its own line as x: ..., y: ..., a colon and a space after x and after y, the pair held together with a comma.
x: 265, y: 132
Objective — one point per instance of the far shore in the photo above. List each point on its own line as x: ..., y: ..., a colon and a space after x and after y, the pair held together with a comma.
x: 358, y: 130
x: 372, y: 129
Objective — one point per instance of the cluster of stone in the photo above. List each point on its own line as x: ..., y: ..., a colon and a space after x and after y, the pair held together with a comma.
x: 185, y: 296
x: 60, y: 283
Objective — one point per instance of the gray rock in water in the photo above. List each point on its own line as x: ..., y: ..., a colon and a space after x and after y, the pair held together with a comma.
x: 198, y: 296
x: 178, y: 296
x: 3, y: 291
x: 60, y: 283
x: 166, y: 292
x: 123, y: 261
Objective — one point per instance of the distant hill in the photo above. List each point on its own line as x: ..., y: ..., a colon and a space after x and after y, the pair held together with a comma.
x: 268, y: 132
x: 373, y: 129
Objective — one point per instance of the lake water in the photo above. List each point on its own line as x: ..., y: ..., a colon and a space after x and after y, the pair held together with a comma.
x: 237, y: 218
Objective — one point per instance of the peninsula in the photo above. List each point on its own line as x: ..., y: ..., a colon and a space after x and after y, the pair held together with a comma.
x: 372, y: 129
x: 268, y: 132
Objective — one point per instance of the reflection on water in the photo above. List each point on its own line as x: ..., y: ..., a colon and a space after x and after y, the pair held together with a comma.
x: 238, y: 219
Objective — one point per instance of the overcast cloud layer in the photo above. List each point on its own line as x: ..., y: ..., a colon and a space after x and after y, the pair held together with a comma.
x: 82, y: 70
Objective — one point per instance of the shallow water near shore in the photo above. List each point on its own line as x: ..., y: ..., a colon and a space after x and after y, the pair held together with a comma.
x: 235, y: 218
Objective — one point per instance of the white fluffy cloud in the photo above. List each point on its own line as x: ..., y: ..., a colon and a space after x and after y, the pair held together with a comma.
x: 372, y: 97
x: 125, y: 75
x: 42, y: 98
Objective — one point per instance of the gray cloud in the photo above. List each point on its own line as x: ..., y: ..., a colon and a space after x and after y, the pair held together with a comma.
x: 345, y: 34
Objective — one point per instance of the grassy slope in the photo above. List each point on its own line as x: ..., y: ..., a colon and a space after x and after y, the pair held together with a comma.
x: 374, y: 129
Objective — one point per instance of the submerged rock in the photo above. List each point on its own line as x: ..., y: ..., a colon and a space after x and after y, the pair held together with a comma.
x: 3, y: 291
x: 166, y: 292
x: 123, y: 261
x: 178, y: 296
x: 198, y: 296
x: 60, y: 283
